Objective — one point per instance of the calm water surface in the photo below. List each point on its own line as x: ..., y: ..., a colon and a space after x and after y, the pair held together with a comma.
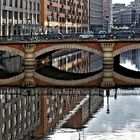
x: 122, y: 123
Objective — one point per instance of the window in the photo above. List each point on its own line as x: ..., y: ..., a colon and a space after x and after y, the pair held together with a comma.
x: 34, y: 6
x: 38, y: 7
x: 21, y: 4
x: 25, y: 113
x: 25, y: 125
x: 4, y: 2
x: 10, y: 14
x: 16, y: 15
x: 4, y: 14
x: 9, y: 136
x: 15, y: 106
x: 33, y: 108
x: 10, y: 3
x: 26, y: 5
x: 20, y: 117
x: 21, y: 15
x: 15, y: 121
x: 38, y: 18
x: 3, y: 113
x: 16, y: 3
x: 9, y: 110
x: 3, y: 127
x: 30, y: 5
x: 9, y: 124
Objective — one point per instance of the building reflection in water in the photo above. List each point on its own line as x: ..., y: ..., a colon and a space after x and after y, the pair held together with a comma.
x: 92, y: 103
x: 19, y: 113
x: 107, y: 95
x: 36, y: 112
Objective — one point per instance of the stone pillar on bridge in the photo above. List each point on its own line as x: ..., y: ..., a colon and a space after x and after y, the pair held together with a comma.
x: 30, y: 65
x: 107, y: 65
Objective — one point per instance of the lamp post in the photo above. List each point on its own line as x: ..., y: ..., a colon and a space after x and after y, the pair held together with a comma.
x: 66, y: 22
x: 114, y: 23
x: 135, y: 24
x: 48, y: 25
x: 107, y: 18
x: 30, y: 28
x: 77, y: 20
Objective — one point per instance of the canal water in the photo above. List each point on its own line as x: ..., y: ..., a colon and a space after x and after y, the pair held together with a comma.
x: 122, y: 122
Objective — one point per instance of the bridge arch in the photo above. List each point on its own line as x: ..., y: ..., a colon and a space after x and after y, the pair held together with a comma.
x: 124, y: 80
x: 14, y: 49
x: 84, y: 47
x: 126, y: 48
x: 89, y: 80
x: 13, y: 80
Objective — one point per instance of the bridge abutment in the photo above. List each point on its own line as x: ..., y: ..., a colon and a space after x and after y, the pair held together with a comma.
x: 108, y: 65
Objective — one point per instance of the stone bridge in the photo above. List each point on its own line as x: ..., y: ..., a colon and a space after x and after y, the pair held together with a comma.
x: 107, y: 49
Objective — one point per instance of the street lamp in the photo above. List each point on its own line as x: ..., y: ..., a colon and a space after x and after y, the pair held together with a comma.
x: 48, y: 25
x: 114, y: 23
x: 77, y: 20
x: 107, y: 18
x: 66, y: 22
x: 135, y: 24
x: 30, y: 28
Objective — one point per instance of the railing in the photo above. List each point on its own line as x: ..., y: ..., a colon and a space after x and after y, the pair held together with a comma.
x: 44, y: 37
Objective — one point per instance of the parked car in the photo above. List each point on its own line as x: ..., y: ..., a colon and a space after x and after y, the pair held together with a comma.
x: 54, y: 35
x: 102, y: 34
x: 86, y: 35
x: 124, y: 35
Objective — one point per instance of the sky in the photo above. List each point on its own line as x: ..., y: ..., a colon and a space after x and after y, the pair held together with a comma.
x: 122, y: 1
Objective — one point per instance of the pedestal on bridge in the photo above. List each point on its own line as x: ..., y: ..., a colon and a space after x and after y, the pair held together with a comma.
x: 107, y: 65
x: 30, y: 65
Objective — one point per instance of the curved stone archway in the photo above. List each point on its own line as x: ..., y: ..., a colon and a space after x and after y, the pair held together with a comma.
x: 12, y: 80
x: 68, y: 46
x: 12, y: 49
x: 124, y: 80
x: 126, y: 48
x: 54, y: 82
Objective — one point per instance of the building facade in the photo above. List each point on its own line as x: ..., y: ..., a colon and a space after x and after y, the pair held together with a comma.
x: 18, y: 12
x: 128, y: 16
x: 66, y: 16
x: 124, y: 17
x: 118, y: 6
x: 19, y: 17
x: 96, y: 15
